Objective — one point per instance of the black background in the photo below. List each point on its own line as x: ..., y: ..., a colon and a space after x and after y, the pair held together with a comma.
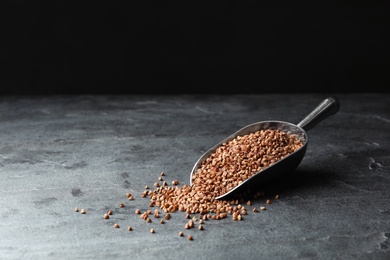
x: 217, y: 47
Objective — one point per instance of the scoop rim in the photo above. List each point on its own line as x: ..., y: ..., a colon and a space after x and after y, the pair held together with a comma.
x: 303, y: 137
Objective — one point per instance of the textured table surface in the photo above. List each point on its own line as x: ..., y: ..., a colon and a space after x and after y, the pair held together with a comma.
x: 62, y: 152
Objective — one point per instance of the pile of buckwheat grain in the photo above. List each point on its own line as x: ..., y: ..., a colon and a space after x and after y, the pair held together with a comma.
x: 232, y: 163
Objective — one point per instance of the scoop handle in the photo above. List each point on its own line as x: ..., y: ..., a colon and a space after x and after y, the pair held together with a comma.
x: 326, y: 108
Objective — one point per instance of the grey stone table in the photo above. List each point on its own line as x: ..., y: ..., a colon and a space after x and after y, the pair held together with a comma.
x: 62, y: 152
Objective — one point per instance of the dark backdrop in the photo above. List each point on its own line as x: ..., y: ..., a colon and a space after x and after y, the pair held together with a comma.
x: 67, y: 47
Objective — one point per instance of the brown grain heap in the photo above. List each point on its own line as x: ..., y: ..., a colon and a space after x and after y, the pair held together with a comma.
x: 232, y: 163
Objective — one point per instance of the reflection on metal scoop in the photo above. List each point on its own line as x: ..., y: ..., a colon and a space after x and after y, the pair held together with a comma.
x: 327, y: 107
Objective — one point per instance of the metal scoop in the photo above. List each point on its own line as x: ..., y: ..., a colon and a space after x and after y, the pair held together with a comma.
x: 327, y: 107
